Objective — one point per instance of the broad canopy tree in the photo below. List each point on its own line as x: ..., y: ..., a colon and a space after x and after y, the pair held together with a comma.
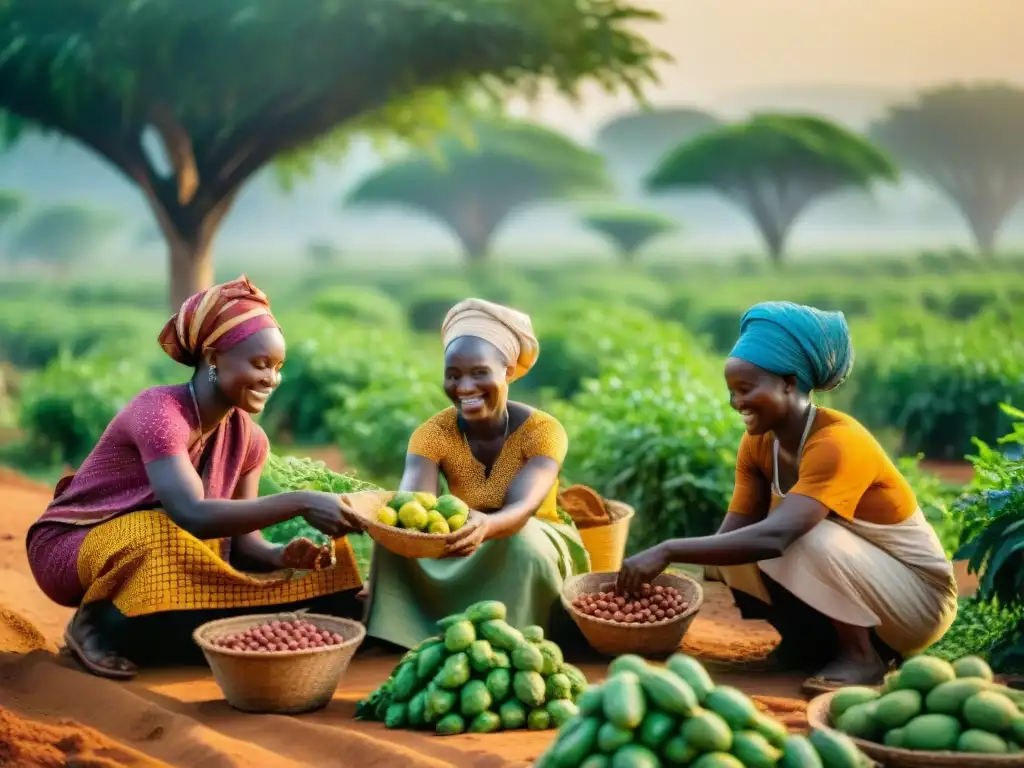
x: 774, y: 167
x: 228, y: 86
x: 57, y: 235
x: 969, y: 142
x: 473, y: 183
x: 628, y: 229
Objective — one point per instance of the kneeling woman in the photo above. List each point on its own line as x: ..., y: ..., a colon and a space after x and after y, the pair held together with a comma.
x: 155, y: 521
x: 823, y: 538
x: 503, y: 459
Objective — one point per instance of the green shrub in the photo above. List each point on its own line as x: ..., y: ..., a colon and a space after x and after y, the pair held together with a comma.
x: 935, y: 498
x: 361, y: 306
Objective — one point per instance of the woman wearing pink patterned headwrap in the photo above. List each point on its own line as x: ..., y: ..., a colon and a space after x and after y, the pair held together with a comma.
x: 165, y: 506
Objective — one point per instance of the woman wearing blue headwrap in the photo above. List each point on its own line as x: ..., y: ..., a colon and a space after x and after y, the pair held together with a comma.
x: 823, y: 537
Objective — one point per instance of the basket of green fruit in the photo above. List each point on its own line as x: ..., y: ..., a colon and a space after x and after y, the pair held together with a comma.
x: 410, y: 524
x: 929, y: 714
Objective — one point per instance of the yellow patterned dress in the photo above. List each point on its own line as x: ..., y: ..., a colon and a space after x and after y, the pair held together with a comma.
x: 525, y: 571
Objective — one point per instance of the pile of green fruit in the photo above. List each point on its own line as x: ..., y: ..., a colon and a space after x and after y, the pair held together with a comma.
x: 645, y: 716
x: 479, y: 676
x: 424, y: 512
x: 932, y: 705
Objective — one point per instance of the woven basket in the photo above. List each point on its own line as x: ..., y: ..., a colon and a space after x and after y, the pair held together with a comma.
x: 614, y: 639
x: 411, y: 544
x: 607, y: 543
x: 818, y: 719
x: 279, y: 682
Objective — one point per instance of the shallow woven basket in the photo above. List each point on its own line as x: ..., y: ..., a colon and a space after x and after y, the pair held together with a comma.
x: 612, y: 638
x: 606, y: 544
x: 279, y: 682
x: 818, y: 719
x: 411, y: 544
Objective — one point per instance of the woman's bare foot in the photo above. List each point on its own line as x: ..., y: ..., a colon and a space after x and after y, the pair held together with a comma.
x: 85, y: 640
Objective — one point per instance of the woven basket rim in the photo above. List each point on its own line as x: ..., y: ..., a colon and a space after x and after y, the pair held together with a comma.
x: 618, y: 512
x: 255, y: 619
x: 690, y: 611
x: 818, y: 718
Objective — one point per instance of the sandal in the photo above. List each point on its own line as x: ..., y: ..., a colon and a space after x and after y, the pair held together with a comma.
x: 74, y: 649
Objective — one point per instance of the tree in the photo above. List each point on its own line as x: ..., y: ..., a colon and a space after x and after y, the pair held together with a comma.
x: 208, y: 79
x: 60, y: 234
x: 629, y: 229
x: 969, y: 142
x: 474, y: 183
x: 634, y: 142
x: 774, y: 167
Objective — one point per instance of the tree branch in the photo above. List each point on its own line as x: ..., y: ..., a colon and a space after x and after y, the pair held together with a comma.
x: 179, y: 150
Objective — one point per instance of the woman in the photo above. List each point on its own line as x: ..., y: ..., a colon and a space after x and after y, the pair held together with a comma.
x: 503, y: 459
x: 823, y: 536
x: 165, y: 506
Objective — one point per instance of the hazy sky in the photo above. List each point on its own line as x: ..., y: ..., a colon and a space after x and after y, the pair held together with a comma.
x: 724, y: 46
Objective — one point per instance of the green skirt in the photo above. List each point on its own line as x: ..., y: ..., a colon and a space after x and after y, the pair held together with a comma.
x: 525, y: 571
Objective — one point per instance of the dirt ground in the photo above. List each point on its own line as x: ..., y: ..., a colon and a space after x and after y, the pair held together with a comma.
x: 52, y: 715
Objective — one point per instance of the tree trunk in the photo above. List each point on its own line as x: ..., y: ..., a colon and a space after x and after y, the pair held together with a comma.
x: 984, y: 227
x: 191, y: 268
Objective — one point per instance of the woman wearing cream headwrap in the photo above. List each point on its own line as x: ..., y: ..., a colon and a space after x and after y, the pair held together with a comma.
x: 823, y: 537
x: 503, y: 459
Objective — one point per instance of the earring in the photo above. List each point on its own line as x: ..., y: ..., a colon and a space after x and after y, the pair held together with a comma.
x: 212, y: 374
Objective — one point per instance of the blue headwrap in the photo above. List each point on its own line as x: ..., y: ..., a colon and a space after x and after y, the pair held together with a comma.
x: 792, y: 340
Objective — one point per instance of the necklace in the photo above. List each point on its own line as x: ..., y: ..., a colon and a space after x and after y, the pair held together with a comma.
x: 199, y: 416
x: 776, y: 489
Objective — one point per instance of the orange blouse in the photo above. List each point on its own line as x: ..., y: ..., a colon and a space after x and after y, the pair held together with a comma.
x: 440, y: 440
x: 843, y: 467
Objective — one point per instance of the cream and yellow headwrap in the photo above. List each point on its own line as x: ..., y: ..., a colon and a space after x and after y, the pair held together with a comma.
x: 507, y: 329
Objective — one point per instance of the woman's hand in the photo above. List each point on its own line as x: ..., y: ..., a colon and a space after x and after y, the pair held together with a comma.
x: 330, y: 513
x: 305, y: 555
x: 468, y: 539
x: 642, y: 568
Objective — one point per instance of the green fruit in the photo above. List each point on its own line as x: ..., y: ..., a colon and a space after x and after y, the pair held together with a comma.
x: 973, y: 666
x: 561, y: 711
x: 774, y: 731
x: 597, y: 761
x: 440, y: 702
x: 667, y: 691
x: 574, y: 746
x: 891, y: 682
x: 707, y: 731
x: 591, y: 701
x: 438, y: 527
x: 948, y: 698
x: 717, y: 760
x: 931, y: 732
x: 499, y: 683
x: 624, y: 703
x: 396, y: 716
x: 859, y: 721
x: 455, y: 522
x: 474, y: 698
x: 512, y: 714
x: 413, y: 516
x: 454, y: 672
x: 449, y: 505
x: 557, y: 687
x: 845, y: 698
x: 990, y: 711
x: 485, y: 722
x: 1017, y: 730
x: 500, y: 659
x: 533, y: 633
x: 628, y: 662
x: 836, y: 750
x: 753, y: 750
x: 797, y: 752
x: 481, y: 656
x: 429, y: 661
x: 733, y: 705
x: 692, y: 673
x: 447, y: 621
x: 576, y: 678
x: 501, y: 635
x: 636, y: 756
x: 922, y: 673
x: 400, y: 499
x: 611, y: 738
x: 417, y: 711
x: 528, y: 658
x: 405, y: 683
x: 974, y: 740
x: 677, y: 751
x: 894, y: 738
x: 656, y: 728
x: 552, y: 657
x: 529, y: 688
x: 450, y: 725
x: 486, y: 610
x: 538, y: 720
x: 427, y: 500
x: 459, y: 636
x: 898, y: 708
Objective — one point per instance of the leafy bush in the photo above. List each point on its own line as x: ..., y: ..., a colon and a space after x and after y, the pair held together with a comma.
x: 935, y: 499
x: 365, y: 306
x: 658, y: 439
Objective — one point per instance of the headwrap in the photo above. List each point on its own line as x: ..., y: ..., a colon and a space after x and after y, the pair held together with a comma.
x: 217, y: 318
x: 793, y: 340
x: 507, y: 329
